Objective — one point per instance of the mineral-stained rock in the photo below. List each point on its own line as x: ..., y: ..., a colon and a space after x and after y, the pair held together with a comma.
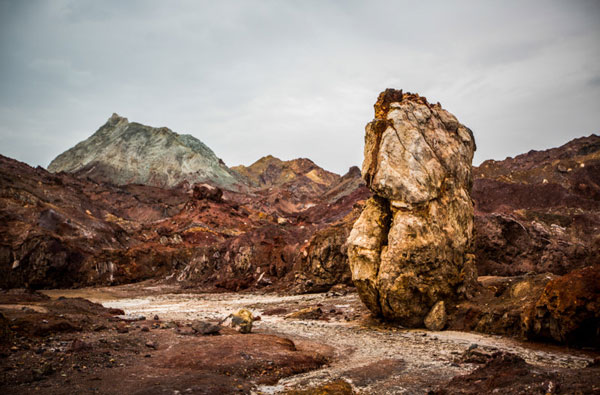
x: 123, y: 152
x: 436, y: 319
x: 568, y: 311
x: 309, y: 313
x: 242, y: 321
x: 506, y: 373
x: 409, y: 248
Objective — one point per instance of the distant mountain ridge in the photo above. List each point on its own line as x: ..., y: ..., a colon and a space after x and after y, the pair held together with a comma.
x: 123, y: 152
x: 270, y: 171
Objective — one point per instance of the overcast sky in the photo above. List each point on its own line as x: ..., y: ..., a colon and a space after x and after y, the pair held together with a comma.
x: 295, y: 78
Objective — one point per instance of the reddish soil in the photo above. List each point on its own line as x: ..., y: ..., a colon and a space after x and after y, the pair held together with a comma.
x: 75, y: 346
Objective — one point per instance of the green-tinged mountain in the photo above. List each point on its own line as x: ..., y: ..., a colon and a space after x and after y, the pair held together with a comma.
x: 123, y: 152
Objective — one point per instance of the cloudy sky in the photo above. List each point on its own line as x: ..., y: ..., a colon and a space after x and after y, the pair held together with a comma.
x: 295, y: 78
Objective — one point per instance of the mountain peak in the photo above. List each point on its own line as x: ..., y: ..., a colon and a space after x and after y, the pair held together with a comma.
x: 123, y: 152
x: 116, y: 118
x: 270, y: 171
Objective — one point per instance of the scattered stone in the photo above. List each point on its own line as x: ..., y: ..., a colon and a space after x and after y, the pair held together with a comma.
x: 205, y: 328
x: 79, y: 345
x: 151, y: 344
x: 122, y: 327
x: 131, y: 318
x: 156, y: 317
x: 474, y: 356
x: 337, y: 387
x: 242, y: 321
x: 309, y: 313
x: 145, y: 329
x: 168, y: 325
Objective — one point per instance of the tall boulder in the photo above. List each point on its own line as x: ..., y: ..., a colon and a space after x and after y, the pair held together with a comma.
x: 409, y: 249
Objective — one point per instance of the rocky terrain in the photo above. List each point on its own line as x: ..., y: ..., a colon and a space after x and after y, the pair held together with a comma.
x: 151, y: 338
x: 135, y: 203
x: 539, y: 212
x: 64, y: 230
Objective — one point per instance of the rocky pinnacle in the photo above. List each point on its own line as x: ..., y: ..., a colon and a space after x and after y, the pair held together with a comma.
x: 409, y: 249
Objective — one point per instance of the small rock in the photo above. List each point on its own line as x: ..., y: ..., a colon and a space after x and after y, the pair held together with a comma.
x: 131, y: 318
x: 205, y: 328
x: 436, y: 319
x: 309, y: 313
x: 145, y: 329
x: 122, y: 327
x: 151, y: 344
x: 242, y: 321
x: 168, y: 325
x: 79, y: 345
x: 156, y: 317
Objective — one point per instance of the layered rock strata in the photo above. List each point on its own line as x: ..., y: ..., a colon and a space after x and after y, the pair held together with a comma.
x: 409, y: 249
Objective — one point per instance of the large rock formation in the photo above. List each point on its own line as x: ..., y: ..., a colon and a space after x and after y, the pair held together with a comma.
x: 123, y: 152
x: 409, y: 248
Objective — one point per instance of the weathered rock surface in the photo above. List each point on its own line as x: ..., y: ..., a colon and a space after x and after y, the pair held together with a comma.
x: 510, y: 374
x: 568, y: 310
x: 270, y: 171
x: 532, y: 217
x: 123, y: 152
x: 63, y: 230
x: 409, y: 249
x: 242, y: 321
x: 436, y: 319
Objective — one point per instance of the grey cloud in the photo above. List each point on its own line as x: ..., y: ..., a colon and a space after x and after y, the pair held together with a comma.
x: 294, y: 79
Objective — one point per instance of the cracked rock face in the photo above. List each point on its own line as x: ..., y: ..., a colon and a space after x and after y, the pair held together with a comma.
x: 409, y: 248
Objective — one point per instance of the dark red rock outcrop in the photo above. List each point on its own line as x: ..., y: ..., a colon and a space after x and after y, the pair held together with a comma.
x: 510, y: 374
x: 540, y: 211
x: 568, y: 311
x: 60, y: 230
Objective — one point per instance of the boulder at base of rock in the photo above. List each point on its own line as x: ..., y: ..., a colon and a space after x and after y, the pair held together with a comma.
x: 436, y: 319
x: 242, y: 321
x: 409, y: 249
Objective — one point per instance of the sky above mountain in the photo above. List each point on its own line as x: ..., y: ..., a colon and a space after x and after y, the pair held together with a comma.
x: 295, y: 78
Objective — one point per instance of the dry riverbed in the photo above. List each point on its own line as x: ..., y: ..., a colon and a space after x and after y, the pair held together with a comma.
x: 365, y: 356
x: 142, y: 339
